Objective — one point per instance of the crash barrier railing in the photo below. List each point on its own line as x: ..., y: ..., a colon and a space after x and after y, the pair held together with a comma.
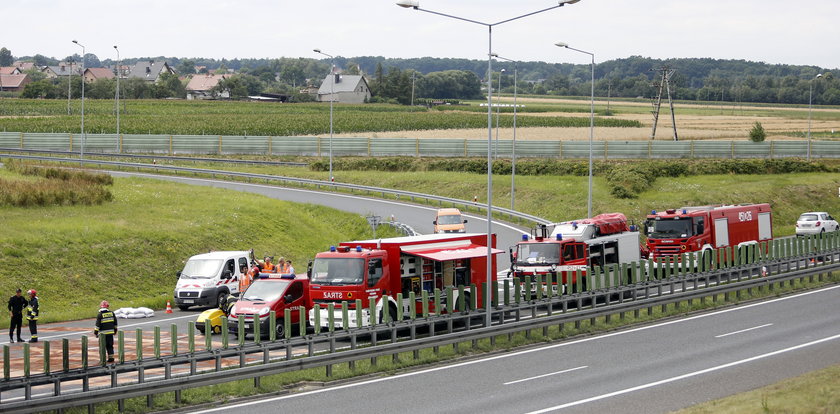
x: 403, y: 228
x: 155, y: 158
x: 764, y: 266
x: 417, y: 147
x: 289, y: 181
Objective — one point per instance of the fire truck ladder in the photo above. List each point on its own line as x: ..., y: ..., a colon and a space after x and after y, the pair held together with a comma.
x: 665, y: 81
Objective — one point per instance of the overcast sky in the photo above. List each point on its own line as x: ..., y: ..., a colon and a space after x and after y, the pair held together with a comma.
x: 772, y: 31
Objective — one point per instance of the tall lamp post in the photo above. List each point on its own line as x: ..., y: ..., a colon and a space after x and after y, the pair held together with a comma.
x: 84, y: 137
x: 591, y: 122
x: 69, y: 84
x: 498, y: 106
x: 810, y: 96
x: 117, y: 99
x: 332, y: 98
x: 415, y: 4
x: 513, y: 150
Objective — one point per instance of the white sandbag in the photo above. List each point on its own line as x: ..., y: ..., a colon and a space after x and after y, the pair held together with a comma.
x: 134, y: 313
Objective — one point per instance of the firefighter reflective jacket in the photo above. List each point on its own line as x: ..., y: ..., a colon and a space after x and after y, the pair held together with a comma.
x: 106, y: 323
x: 32, y: 309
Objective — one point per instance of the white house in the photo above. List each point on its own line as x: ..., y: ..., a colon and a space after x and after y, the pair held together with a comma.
x: 344, y: 89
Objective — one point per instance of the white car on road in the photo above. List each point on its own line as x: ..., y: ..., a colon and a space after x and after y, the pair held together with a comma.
x: 815, y: 223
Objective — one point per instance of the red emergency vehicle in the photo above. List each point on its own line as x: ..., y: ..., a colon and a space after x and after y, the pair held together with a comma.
x: 704, y: 228
x: 575, y: 245
x: 375, y: 268
x: 271, y: 292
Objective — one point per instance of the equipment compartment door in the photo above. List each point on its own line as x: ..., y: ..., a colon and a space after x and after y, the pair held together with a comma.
x: 765, y: 230
x: 721, y: 232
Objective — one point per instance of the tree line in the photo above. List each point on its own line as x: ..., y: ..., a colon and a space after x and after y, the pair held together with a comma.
x: 397, y: 80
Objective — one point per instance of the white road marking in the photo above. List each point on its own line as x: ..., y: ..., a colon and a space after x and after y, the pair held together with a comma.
x: 685, y: 376
x: 546, y: 375
x: 527, y: 351
x: 744, y: 330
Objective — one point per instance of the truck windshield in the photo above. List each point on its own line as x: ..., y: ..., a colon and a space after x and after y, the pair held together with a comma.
x: 264, y: 290
x: 338, y: 271
x: 538, y: 253
x: 450, y: 219
x: 667, y: 229
x: 201, y: 268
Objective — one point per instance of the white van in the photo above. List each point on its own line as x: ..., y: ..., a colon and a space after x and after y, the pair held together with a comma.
x: 209, y: 277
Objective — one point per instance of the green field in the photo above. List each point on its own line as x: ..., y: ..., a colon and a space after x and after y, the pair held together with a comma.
x: 253, y: 118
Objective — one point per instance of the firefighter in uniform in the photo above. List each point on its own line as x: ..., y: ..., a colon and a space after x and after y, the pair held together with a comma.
x: 32, y: 312
x: 226, y: 304
x: 106, y: 324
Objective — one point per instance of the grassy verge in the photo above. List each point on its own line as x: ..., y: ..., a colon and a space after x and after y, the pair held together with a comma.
x: 129, y: 249
x: 293, y: 381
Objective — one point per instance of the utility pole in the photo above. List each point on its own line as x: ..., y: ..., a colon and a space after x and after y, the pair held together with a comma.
x: 663, y: 81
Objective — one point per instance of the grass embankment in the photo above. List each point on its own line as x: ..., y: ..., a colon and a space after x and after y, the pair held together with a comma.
x: 129, y: 249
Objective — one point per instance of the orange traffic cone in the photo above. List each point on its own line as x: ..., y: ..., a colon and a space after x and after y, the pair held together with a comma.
x: 168, y: 307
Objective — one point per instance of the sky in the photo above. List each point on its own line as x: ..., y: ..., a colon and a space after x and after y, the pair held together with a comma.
x: 772, y: 31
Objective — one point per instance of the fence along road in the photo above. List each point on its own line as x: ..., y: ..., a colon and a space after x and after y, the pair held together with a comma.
x: 418, y: 147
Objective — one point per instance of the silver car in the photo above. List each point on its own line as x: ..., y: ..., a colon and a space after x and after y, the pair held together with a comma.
x: 815, y: 223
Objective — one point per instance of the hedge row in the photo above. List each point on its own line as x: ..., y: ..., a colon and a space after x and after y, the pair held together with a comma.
x: 57, y: 187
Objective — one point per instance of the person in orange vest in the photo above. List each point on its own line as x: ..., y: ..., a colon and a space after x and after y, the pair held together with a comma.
x: 266, y: 265
x: 282, y: 266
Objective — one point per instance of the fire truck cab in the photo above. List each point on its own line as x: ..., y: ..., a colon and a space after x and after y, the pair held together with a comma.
x: 603, y: 240
x: 704, y: 228
x: 375, y: 268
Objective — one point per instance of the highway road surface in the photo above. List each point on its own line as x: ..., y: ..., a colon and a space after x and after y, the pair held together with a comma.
x: 651, y: 369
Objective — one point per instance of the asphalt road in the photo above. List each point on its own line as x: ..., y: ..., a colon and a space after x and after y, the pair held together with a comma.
x: 651, y: 369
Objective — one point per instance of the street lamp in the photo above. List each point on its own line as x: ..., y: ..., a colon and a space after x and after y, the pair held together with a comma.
x: 498, y: 105
x: 591, y: 122
x: 415, y: 4
x: 117, y: 99
x: 332, y: 98
x: 810, y: 96
x: 84, y: 137
x: 513, y: 150
x: 69, y: 83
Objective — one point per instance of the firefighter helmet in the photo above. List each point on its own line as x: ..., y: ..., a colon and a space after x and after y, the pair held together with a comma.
x: 31, y: 292
x: 104, y: 304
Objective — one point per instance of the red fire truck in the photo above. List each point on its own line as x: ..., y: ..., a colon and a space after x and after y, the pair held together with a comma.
x: 575, y: 245
x: 704, y: 228
x: 376, y: 268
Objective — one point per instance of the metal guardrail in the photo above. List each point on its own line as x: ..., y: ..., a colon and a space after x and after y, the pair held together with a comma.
x: 572, y: 309
x: 416, y: 147
x: 398, y: 194
x: 163, y: 157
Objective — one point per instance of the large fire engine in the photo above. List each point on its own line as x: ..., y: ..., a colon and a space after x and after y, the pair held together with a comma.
x: 704, y: 228
x: 575, y: 245
x: 376, y: 268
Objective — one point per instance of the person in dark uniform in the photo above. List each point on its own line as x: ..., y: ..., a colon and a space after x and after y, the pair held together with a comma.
x: 106, y: 324
x: 16, y: 305
x: 32, y: 313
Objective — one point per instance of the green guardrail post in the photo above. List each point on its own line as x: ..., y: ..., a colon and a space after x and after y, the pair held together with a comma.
x: 412, y: 305
x: 47, y: 355
x: 634, y: 272
x: 272, y: 326
x: 450, y: 300
x: 386, y: 309
x: 240, y: 324
x: 84, y: 345
x: 257, y: 321
x: 26, y: 359
x: 399, y: 315
x: 462, y: 300
x: 65, y: 355
x: 225, y: 334
x: 372, y: 312
x: 191, y: 337
x: 540, y: 284
x: 157, y: 342
x: 527, y: 289
x: 549, y: 285
x: 506, y: 287
x: 517, y: 290
x: 121, y: 348
x: 102, y: 357
x: 317, y: 317
x: 359, y: 313
x: 138, y: 343
x: 7, y: 372
x: 438, y: 302
x: 596, y: 277
x: 345, y: 314
x: 494, y: 294
x: 330, y: 317
x: 475, y: 293
x: 173, y: 337
x: 302, y: 322
x: 287, y: 324
x: 579, y: 278
x: 208, y: 335
x: 424, y: 298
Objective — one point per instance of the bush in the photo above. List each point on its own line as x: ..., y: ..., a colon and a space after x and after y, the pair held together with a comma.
x: 627, y: 182
x: 757, y: 133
